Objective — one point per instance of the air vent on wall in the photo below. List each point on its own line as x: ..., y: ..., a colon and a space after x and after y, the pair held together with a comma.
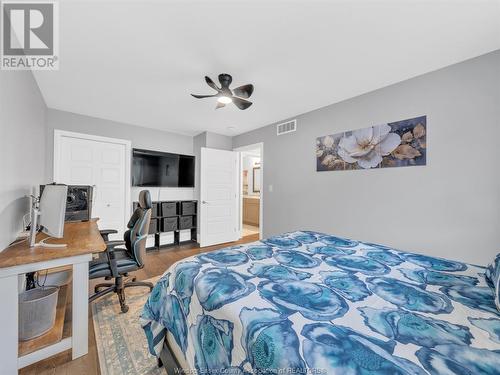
x: 286, y: 127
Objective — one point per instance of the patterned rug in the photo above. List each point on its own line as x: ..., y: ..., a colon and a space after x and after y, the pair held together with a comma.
x: 121, y: 342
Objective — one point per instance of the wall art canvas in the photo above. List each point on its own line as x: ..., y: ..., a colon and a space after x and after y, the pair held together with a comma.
x: 395, y: 144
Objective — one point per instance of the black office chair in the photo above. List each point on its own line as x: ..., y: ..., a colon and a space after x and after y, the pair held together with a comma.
x: 118, y: 261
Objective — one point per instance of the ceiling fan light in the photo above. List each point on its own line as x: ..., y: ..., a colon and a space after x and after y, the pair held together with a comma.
x: 224, y: 99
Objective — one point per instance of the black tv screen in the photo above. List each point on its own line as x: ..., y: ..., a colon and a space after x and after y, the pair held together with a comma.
x: 152, y: 168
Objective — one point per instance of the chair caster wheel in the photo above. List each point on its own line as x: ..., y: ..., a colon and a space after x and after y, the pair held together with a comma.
x: 124, y: 309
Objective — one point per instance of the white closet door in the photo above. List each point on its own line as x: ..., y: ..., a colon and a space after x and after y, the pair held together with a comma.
x: 103, y: 165
x: 219, y: 199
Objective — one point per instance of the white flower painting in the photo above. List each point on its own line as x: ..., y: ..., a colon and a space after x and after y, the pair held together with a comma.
x: 396, y: 144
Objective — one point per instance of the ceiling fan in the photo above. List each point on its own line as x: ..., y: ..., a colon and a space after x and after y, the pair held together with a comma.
x: 225, y: 95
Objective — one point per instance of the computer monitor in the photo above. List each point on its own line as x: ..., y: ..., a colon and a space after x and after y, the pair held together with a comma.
x: 49, y: 214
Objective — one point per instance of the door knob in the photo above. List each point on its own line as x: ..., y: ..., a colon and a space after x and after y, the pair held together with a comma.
x: 204, y: 202
x: 108, y: 205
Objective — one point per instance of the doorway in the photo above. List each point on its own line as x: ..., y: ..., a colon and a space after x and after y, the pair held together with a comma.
x: 251, y: 203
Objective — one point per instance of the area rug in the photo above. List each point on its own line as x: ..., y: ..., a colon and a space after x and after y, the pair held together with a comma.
x: 121, y: 343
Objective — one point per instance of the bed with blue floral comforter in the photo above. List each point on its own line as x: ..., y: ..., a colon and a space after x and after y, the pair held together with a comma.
x: 307, y: 302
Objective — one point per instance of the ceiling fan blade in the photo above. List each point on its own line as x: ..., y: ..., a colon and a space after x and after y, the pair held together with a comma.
x: 244, y: 91
x: 219, y: 105
x: 241, y: 103
x: 225, y: 80
x: 203, y: 96
x: 211, y: 83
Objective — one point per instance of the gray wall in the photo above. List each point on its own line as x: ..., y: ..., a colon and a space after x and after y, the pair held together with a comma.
x: 218, y: 141
x: 141, y: 137
x: 22, y: 148
x: 199, y: 141
x: 449, y: 208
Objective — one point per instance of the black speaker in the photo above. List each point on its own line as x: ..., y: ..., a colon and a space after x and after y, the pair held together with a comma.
x: 78, y: 202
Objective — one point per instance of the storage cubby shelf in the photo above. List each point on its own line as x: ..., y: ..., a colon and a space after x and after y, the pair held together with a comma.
x: 173, y: 217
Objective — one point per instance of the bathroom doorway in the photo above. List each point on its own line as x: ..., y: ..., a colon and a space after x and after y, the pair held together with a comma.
x: 251, y: 164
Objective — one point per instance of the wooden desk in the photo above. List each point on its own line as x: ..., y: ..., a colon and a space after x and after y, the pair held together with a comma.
x: 82, y: 240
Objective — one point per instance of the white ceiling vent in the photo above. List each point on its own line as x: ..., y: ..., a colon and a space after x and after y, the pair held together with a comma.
x: 286, y: 127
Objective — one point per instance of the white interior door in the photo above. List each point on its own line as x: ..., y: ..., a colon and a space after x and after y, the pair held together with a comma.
x: 101, y: 163
x: 219, y: 196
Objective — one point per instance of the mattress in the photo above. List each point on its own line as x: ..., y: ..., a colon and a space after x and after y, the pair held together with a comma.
x: 308, y: 302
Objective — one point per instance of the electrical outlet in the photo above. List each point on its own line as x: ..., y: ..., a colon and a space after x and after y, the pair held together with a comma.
x: 270, y: 188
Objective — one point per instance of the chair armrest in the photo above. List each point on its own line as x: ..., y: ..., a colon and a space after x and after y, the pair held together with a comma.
x: 106, y: 232
x: 110, y: 250
x: 112, y: 244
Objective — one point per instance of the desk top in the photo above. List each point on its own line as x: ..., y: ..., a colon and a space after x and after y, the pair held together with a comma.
x: 81, y: 238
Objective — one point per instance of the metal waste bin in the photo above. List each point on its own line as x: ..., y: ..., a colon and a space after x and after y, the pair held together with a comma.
x: 37, y: 311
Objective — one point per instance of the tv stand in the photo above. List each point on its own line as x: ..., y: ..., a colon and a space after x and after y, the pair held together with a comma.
x: 173, y: 217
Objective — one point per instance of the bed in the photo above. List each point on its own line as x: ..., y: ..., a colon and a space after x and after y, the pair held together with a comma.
x: 308, y: 302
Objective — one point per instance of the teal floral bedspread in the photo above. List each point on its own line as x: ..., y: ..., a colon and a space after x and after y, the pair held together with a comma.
x: 307, y: 302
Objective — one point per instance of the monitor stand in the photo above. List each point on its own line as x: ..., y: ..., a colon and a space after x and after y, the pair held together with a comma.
x: 42, y: 243
x: 33, y: 231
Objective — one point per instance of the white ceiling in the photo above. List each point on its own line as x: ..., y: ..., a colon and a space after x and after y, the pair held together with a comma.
x: 138, y: 61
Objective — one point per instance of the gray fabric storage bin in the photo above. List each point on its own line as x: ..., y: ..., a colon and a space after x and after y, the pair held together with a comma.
x: 155, y: 209
x: 37, y: 312
x: 154, y: 226
x: 188, y: 208
x: 185, y: 222
x: 169, y: 224
x: 168, y: 208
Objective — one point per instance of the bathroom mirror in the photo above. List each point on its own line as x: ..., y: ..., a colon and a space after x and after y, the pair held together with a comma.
x: 256, y: 180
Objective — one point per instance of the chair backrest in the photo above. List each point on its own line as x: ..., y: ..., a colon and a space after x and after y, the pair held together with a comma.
x: 135, y: 236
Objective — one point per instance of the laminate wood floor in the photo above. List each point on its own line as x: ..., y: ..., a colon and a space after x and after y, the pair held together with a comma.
x: 156, y: 264
x: 250, y: 229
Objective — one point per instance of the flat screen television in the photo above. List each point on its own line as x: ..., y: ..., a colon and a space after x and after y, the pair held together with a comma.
x: 153, y: 169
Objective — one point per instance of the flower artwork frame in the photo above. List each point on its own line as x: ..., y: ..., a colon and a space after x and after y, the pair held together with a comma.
x: 395, y: 144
